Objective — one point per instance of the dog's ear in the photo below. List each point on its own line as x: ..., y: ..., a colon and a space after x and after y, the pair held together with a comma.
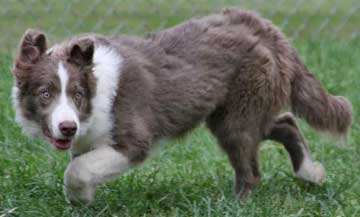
x: 82, y: 52
x: 32, y: 46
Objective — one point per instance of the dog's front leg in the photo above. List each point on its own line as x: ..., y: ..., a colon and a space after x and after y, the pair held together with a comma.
x: 87, y: 171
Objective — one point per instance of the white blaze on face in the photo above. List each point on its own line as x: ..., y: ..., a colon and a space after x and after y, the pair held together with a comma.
x: 64, y: 108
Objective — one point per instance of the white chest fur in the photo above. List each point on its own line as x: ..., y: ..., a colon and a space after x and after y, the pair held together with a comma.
x: 96, y: 131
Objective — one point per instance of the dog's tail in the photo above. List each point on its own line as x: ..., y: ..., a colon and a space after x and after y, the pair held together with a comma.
x: 321, y: 110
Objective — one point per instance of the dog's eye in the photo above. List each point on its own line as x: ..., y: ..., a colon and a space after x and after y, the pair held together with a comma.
x: 45, y: 94
x: 78, y: 96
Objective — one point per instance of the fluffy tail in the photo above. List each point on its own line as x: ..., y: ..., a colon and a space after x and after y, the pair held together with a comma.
x: 321, y: 110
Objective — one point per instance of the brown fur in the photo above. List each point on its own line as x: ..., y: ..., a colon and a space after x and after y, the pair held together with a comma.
x: 237, y: 71
x: 234, y: 70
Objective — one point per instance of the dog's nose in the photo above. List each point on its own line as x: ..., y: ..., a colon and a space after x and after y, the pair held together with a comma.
x: 68, y: 128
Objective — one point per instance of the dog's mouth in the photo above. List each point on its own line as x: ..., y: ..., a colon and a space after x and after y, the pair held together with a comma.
x: 61, y: 144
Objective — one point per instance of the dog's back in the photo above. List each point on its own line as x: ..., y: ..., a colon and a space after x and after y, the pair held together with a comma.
x: 261, y: 71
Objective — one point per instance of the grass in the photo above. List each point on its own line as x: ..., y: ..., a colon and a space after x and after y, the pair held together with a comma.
x: 60, y: 20
x: 190, y: 176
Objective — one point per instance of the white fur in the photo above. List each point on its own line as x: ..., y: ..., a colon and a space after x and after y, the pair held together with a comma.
x: 311, y: 171
x: 90, y: 169
x: 64, y: 109
x: 97, y: 130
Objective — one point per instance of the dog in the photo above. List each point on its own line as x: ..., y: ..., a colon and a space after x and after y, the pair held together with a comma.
x: 109, y: 99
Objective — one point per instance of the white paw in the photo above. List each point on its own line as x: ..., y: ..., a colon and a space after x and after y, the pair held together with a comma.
x: 82, y: 195
x: 312, y: 171
x: 77, y: 184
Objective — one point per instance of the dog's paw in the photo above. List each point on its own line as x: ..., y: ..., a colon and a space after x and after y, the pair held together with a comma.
x: 77, y: 185
x: 312, y: 171
x: 83, y: 195
x: 244, y: 188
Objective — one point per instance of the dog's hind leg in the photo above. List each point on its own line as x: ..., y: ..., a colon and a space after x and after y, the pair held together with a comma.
x: 241, y: 150
x: 242, y: 154
x: 286, y: 131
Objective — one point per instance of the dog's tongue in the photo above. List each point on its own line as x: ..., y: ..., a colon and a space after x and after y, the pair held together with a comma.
x: 62, y: 144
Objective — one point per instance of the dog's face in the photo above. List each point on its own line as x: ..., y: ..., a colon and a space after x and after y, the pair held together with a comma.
x: 53, y: 90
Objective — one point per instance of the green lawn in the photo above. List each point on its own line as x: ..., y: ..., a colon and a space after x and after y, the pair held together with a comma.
x: 190, y: 176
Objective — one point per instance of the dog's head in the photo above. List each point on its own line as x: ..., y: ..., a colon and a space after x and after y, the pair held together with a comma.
x: 53, y: 89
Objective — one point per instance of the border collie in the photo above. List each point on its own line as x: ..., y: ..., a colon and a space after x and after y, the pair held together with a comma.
x: 108, y: 99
